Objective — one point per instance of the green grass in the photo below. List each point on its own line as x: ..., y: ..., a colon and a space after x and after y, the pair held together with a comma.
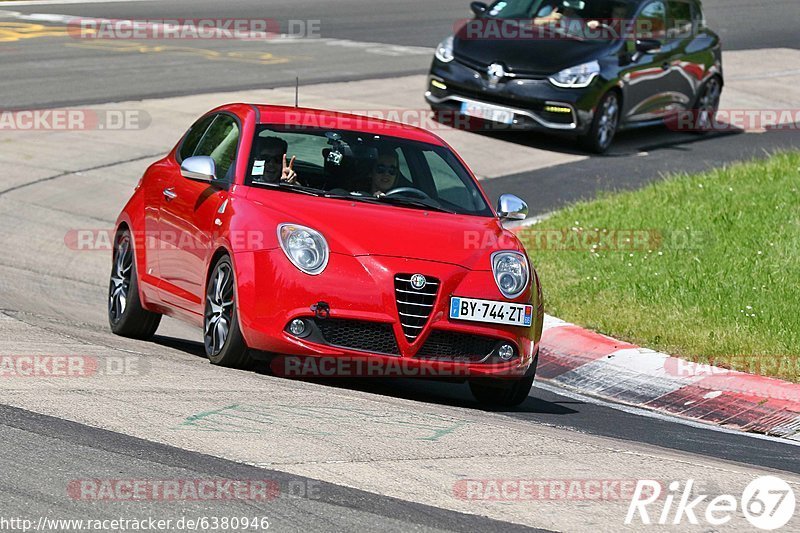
x: 719, y: 283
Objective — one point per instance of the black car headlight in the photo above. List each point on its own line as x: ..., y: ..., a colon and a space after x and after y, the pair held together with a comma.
x: 511, y: 273
x: 576, y: 77
x: 444, y: 52
x: 306, y: 248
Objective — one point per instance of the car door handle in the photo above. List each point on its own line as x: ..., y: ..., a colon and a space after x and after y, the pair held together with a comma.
x: 170, y: 194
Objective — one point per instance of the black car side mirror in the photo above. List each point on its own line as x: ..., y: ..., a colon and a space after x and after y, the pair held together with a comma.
x: 479, y: 8
x: 645, y: 46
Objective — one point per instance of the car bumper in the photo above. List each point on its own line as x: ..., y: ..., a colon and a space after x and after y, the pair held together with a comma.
x: 363, y: 323
x: 536, y: 104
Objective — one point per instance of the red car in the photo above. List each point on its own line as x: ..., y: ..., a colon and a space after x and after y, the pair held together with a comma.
x: 310, y: 235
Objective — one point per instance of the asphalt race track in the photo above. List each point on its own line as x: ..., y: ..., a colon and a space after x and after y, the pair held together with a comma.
x: 347, y: 455
x: 354, y: 42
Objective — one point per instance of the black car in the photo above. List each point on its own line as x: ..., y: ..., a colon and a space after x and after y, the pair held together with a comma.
x: 585, y: 67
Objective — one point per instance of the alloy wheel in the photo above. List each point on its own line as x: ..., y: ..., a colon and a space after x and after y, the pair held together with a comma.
x: 120, y: 279
x: 609, y: 117
x: 219, y: 309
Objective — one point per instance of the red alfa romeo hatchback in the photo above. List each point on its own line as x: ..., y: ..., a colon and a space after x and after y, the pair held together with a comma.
x: 306, y: 234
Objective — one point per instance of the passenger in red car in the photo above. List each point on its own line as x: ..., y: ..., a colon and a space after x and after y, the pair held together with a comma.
x: 273, y: 152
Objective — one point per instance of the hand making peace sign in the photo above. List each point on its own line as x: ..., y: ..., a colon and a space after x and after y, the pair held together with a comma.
x: 288, y: 174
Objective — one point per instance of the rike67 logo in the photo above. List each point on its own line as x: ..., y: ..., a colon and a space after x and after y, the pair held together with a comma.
x: 768, y: 503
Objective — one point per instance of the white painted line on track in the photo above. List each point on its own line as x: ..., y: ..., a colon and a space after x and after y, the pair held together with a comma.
x: 569, y: 393
x: 65, y: 2
x: 384, y: 49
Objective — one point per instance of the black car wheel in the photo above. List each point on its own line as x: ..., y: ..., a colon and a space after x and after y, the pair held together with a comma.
x: 604, y: 125
x: 224, y: 343
x: 504, y: 392
x: 126, y: 316
x: 707, y: 105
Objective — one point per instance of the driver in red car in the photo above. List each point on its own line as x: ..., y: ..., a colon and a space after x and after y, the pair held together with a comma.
x: 385, y: 173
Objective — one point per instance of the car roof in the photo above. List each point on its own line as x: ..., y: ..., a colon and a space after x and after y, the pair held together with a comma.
x: 326, y: 119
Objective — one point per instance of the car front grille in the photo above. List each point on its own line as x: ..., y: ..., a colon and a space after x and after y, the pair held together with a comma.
x: 449, y: 345
x: 371, y: 337
x: 413, y: 305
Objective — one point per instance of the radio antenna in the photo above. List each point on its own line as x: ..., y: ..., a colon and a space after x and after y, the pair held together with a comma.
x: 297, y: 91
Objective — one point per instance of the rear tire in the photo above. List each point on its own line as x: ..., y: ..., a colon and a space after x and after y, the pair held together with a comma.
x: 126, y: 316
x: 504, y: 392
x: 222, y: 337
x: 604, y: 125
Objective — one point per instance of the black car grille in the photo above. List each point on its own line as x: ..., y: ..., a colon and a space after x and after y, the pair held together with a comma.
x: 414, y: 306
x: 499, y: 98
x: 357, y: 335
x: 448, y: 345
x: 481, y: 67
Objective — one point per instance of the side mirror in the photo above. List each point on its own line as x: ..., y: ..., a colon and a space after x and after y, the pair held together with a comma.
x: 647, y: 46
x: 199, y: 168
x: 510, y: 207
x: 479, y: 8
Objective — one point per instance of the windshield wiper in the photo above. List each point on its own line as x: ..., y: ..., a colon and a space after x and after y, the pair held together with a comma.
x: 300, y: 189
x: 414, y: 202
x: 393, y: 200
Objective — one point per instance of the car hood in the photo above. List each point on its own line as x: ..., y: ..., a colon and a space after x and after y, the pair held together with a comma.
x: 541, y: 56
x: 358, y: 229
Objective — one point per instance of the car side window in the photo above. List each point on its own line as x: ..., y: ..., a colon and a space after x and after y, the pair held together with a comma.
x: 652, y: 22
x: 679, y: 22
x: 220, y: 143
x: 193, y: 137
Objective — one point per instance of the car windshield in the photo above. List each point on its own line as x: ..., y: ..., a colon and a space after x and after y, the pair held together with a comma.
x: 574, y: 17
x: 364, y: 167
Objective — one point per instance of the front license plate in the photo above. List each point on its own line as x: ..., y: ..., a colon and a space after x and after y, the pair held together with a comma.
x: 487, y: 112
x: 491, y: 311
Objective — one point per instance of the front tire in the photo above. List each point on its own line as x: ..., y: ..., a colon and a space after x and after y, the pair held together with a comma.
x: 604, y: 125
x: 126, y: 316
x: 504, y: 392
x: 222, y: 337
x: 707, y: 105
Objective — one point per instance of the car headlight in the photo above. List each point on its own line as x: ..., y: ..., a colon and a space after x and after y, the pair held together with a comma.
x: 306, y: 248
x: 444, y: 52
x: 511, y: 273
x: 580, y: 76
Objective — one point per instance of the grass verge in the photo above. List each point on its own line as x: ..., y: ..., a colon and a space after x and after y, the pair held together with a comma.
x: 705, y: 266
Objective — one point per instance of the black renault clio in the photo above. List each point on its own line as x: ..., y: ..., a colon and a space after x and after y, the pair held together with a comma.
x: 585, y: 67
